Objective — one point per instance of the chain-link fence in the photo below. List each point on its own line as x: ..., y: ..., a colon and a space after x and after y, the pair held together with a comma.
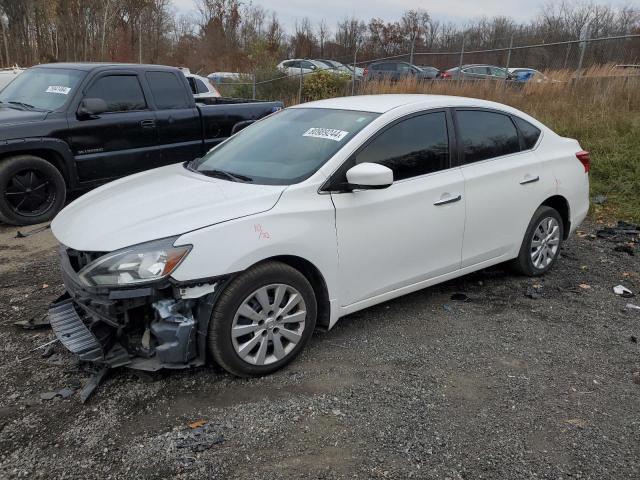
x: 601, y: 57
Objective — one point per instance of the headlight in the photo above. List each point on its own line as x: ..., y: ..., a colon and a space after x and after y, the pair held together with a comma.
x: 138, y: 264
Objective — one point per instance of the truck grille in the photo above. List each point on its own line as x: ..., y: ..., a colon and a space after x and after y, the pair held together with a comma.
x: 72, y: 331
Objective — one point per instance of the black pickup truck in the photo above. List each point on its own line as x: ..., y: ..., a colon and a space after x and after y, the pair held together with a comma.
x: 72, y: 126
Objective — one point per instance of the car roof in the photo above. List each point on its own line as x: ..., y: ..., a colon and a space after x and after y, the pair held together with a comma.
x: 87, y: 66
x: 386, y: 102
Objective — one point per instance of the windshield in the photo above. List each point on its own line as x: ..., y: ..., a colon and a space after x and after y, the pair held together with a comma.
x: 286, y: 147
x: 41, y: 88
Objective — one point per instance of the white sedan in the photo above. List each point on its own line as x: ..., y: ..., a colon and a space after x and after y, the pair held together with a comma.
x: 311, y: 214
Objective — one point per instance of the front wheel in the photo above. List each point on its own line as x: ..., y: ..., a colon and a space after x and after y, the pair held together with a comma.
x: 541, y: 243
x: 262, y: 320
x: 31, y: 190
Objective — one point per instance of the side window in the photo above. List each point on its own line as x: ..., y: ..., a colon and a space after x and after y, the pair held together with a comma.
x: 530, y: 134
x: 121, y: 92
x: 404, y: 68
x: 192, y: 84
x: 308, y: 65
x: 168, y: 92
x: 390, y: 67
x: 486, y: 135
x: 498, y: 72
x: 413, y: 147
x: 201, y: 87
x: 376, y: 66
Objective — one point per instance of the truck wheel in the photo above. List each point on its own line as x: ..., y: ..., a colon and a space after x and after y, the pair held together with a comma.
x: 31, y: 190
x: 262, y: 320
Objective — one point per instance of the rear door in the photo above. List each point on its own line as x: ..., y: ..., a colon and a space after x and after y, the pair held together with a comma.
x: 504, y: 184
x: 177, y: 118
x: 120, y: 141
x: 410, y: 231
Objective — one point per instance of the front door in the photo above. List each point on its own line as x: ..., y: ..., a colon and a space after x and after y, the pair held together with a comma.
x: 410, y: 231
x: 122, y: 140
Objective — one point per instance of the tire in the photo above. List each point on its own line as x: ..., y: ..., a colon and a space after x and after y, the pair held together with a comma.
x: 20, y: 204
x: 537, y: 259
x: 241, y: 353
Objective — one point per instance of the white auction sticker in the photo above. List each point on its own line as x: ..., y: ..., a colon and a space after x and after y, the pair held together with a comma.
x: 58, y: 89
x: 329, y: 133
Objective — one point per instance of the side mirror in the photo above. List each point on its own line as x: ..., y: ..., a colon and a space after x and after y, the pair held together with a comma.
x: 369, y: 176
x: 90, y: 107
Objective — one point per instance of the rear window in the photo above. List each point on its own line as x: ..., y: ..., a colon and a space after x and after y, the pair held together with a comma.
x: 530, y: 134
x: 486, y: 135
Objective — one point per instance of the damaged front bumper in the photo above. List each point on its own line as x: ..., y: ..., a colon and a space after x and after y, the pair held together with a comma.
x: 150, y: 327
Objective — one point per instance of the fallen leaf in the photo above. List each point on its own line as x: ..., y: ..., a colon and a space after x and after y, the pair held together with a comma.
x: 585, y: 286
x: 577, y: 422
x: 197, y: 423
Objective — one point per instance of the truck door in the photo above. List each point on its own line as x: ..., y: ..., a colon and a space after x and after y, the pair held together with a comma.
x: 121, y: 140
x: 179, y: 125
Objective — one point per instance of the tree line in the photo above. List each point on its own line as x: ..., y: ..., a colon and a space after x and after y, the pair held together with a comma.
x: 232, y: 35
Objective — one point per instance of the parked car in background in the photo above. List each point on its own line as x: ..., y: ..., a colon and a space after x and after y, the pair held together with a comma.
x: 8, y: 74
x: 227, y: 77
x: 73, y: 126
x: 432, y: 71
x: 201, y: 87
x: 477, y: 72
x: 395, y: 70
x: 340, y: 68
x: 299, y: 66
x: 322, y: 210
x: 527, y: 74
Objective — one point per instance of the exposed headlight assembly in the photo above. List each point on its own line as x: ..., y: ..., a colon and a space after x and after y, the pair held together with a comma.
x: 138, y: 264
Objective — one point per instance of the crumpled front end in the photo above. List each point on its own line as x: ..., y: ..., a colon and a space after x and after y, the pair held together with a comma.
x: 153, y: 326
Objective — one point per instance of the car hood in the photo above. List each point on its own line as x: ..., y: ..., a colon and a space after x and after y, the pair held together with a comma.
x: 13, y: 116
x: 156, y: 204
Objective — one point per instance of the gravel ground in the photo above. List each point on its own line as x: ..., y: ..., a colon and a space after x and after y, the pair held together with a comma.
x: 502, y: 386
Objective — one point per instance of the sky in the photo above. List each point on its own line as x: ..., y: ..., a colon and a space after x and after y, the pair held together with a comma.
x: 333, y: 11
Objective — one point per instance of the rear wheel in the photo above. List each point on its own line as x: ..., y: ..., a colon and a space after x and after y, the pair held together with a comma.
x: 31, y: 190
x: 541, y: 244
x: 262, y: 320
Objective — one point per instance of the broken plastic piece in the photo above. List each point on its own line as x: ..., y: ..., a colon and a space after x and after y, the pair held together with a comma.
x: 93, y: 383
x: 631, y: 306
x: 623, y: 291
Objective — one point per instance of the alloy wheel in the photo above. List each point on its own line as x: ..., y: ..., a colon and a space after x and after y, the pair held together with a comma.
x: 545, y: 242
x: 268, y: 324
x: 30, y: 193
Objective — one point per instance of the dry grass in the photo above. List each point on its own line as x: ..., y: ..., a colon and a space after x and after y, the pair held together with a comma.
x: 600, y: 109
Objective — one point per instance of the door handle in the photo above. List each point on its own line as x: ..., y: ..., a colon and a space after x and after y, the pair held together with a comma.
x: 448, y: 199
x: 147, y: 123
x: 529, y: 179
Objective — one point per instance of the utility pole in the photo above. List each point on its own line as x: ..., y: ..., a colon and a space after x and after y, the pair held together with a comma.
x: 461, y: 58
x: 413, y: 44
x: 508, y: 59
x: 584, y: 36
x: 353, y: 80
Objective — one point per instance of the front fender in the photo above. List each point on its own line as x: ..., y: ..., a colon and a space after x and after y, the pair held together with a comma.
x: 299, y: 225
x: 52, y: 149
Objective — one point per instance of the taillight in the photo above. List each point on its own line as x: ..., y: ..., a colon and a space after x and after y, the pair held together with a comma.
x: 365, y: 71
x: 445, y: 75
x: 585, y: 160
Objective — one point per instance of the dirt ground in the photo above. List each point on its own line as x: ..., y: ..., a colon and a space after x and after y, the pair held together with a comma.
x: 502, y: 386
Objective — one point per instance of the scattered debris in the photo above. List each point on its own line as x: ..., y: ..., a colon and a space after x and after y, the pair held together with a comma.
x: 623, y: 291
x: 460, y: 297
x: 32, y: 232
x: 48, y: 395
x: 34, y: 322
x: 534, y: 291
x: 48, y: 351
x: 625, y: 248
x: 599, y: 199
x: 93, y: 383
x: 633, y: 339
x: 197, y: 424
x: 446, y: 307
x: 621, y: 232
x: 585, y: 286
x: 636, y: 377
x: 66, y: 392
x: 631, y: 306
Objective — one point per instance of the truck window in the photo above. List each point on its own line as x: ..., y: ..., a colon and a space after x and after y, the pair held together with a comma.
x: 120, y: 92
x: 167, y: 90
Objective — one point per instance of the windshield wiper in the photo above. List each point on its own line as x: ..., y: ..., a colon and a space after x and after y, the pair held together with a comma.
x: 26, y: 106
x: 234, y: 177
